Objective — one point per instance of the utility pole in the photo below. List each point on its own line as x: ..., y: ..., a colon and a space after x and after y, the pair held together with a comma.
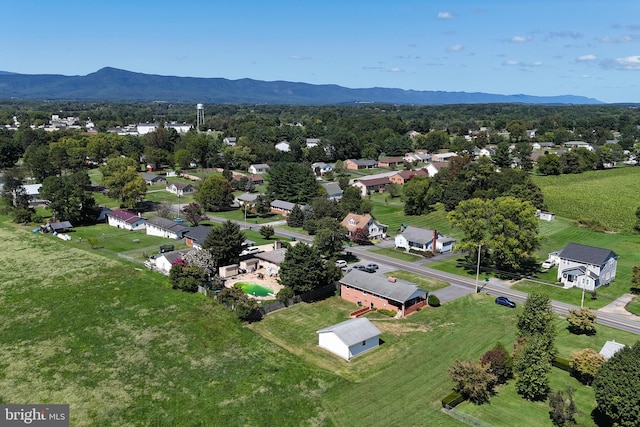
x: 478, y: 267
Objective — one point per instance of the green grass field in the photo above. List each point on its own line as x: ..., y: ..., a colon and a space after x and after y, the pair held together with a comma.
x: 394, y: 253
x: 423, y: 282
x: 609, y: 197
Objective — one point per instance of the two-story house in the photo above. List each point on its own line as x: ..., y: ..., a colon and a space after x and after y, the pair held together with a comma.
x: 585, y: 267
x: 353, y: 222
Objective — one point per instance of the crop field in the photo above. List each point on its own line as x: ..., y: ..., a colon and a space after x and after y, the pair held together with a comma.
x: 609, y: 197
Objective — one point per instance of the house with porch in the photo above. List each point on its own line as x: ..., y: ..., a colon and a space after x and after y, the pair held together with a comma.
x: 376, y: 291
x: 585, y: 267
x: 350, y: 338
x: 163, y: 227
x: 125, y: 219
x: 180, y: 188
x: 353, y: 222
x: 422, y: 239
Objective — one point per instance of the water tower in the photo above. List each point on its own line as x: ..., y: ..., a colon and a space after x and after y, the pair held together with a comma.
x: 200, y: 120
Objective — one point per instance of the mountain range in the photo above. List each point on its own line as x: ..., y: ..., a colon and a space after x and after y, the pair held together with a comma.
x: 112, y: 84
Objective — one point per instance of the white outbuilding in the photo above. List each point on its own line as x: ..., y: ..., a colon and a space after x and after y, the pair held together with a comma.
x: 350, y: 338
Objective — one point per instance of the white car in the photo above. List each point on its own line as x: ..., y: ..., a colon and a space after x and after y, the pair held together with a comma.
x: 548, y: 264
x: 250, y: 251
x: 341, y: 263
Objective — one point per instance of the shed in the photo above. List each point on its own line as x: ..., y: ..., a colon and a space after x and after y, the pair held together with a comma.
x: 610, y: 348
x: 350, y: 338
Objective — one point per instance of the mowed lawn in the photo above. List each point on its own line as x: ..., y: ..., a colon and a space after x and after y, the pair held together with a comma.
x: 403, y: 381
x: 122, y: 348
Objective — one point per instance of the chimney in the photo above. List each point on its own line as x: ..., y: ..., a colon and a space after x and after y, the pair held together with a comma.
x: 433, y: 242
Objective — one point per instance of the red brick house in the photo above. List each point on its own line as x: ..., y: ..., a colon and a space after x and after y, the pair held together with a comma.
x: 372, y: 185
x: 402, y: 177
x: 353, y: 164
x: 389, y: 162
x: 374, y: 291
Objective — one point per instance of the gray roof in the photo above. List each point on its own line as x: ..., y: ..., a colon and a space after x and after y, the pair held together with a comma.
x: 167, y: 224
x: 281, y: 204
x: 150, y: 176
x: 364, y: 162
x: 353, y: 331
x: 275, y: 257
x: 610, y: 348
x: 60, y: 225
x: 260, y: 166
x: 198, y: 233
x: 399, y: 291
x: 333, y: 188
x: 586, y: 254
x: 423, y: 235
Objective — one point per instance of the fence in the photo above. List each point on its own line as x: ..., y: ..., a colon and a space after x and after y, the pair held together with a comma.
x: 314, y: 295
x: 469, y: 420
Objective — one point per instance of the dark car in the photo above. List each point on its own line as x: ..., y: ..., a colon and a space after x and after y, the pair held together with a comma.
x: 369, y: 269
x: 372, y: 266
x: 506, y: 302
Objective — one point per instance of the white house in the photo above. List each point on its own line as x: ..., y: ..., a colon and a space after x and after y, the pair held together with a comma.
x: 283, y: 146
x: 578, y: 144
x: 442, y: 157
x: 230, y: 141
x: 434, y: 167
x: 145, y: 128
x: 180, y: 188
x: 178, y: 127
x: 166, y: 228
x: 350, y: 338
x: 418, y: 156
x: 546, y: 216
x: 259, y: 168
x: 125, y: 219
x: 422, y: 239
x: 312, y: 142
x: 353, y: 222
x: 164, y: 262
x: 585, y: 267
x: 321, y: 167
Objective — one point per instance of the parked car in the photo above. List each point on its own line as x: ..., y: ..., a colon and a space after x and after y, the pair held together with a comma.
x: 548, y: 263
x: 369, y: 269
x: 506, y: 302
x: 359, y: 267
x: 250, y: 251
x: 373, y: 266
x: 341, y: 263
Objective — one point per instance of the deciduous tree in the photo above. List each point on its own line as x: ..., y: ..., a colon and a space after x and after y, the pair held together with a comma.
x: 215, y: 193
x: 267, y: 231
x: 193, y: 213
x: 473, y: 380
x: 123, y: 182
x: 330, y: 236
x: 563, y: 409
x: 587, y: 364
x: 582, y: 321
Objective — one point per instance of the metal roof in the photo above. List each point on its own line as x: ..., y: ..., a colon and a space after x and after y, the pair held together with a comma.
x: 353, y: 331
x: 399, y: 291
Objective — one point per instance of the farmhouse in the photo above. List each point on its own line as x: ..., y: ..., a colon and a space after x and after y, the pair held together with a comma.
x: 350, y: 338
x: 374, y: 291
x: 125, y: 219
x: 353, y: 222
x: 166, y: 228
x: 195, y: 237
x: 585, y: 267
x: 180, y: 188
x: 258, y: 168
x: 422, y: 239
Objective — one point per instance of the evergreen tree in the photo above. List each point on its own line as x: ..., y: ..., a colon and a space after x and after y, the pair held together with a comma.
x: 303, y: 269
x: 225, y: 243
x: 296, y: 217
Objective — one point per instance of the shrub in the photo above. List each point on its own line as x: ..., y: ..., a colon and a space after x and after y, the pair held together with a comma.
x: 452, y: 400
x: 386, y: 312
x: 564, y: 364
x: 473, y: 380
x: 284, y: 295
x: 433, y: 300
x: 586, y: 364
x: 500, y: 363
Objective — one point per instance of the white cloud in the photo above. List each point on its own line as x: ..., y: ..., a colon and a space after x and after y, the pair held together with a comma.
x: 511, y: 62
x: 625, y: 38
x: 521, y: 39
x: 445, y: 15
x: 395, y: 70
x: 455, y: 48
x: 299, y: 58
x: 536, y: 64
x: 629, y: 62
x: 589, y: 57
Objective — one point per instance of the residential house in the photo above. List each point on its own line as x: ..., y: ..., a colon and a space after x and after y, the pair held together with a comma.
x: 195, y: 237
x: 334, y: 192
x: 610, y: 348
x: 578, y: 144
x: 32, y: 191
x: 163, y: 227
x: 164, y: 261
x: 391, y: 162
x: 178, y: 127
x: 145, y: 128
x: 256, y: 179
x: 152, y: 178
x: 585, y: 267
x: 259, y: 168
x: 282, y: 207
x: 442, y: 157
x: 271, y: 260
x: 312, y: 142
x: 283, y: 146
x: 230, y: 141
x: 417, y: 157
x: 125, y: 219
x: 376, y: 291
x: 372, y: 185
x: 483, y: 152
x: 353, y: 164
x: 180, y: 188
x: 353, y: 222
x: 58, y: 227
x: 542, y: 145
x: 402, y: 177
x: 434, y: 167
x: 422, y: 239
x: 320, y: 168
x: 350, y: 338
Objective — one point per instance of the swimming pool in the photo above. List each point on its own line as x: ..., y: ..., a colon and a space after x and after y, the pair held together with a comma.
x: 254, y: 289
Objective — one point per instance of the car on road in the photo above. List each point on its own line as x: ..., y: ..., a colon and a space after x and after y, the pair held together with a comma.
x: 506, y: 302
x: 373, y: 266
x: 341, y: 263
x: 364, y: 268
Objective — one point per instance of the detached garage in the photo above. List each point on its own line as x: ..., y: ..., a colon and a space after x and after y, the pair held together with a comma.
x: 350, y: 338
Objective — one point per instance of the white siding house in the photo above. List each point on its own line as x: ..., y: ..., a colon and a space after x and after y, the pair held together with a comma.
x: 126, y: 220
x: 259, y: 168
x: 166, y: 228
x: 586, y: 267
x: 422, y: 239
x: 350, y: 338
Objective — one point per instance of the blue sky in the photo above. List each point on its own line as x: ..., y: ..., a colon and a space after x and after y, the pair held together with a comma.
x: 580, y: 47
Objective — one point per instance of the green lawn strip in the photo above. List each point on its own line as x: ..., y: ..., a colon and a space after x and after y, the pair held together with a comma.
x: 423, y: 282
x: 123, y: 348
x: 397, y: 254
x: 163, y: 196
x: 115, y: 239
x: 252, y: 219
x: 604, y: 294
x: 634, y: 306
x: 570, y: 196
